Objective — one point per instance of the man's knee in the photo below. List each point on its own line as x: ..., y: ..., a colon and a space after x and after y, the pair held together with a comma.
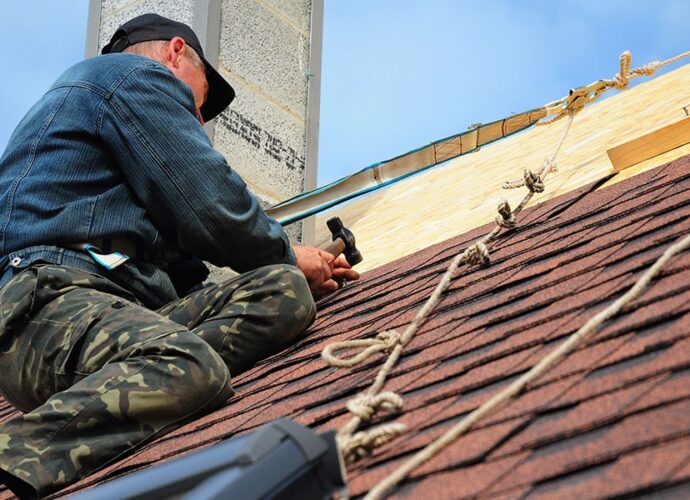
x: 188, y: 370
x: 292, y: 304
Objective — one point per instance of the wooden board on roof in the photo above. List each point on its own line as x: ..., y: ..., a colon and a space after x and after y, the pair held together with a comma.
x: 652, y: 144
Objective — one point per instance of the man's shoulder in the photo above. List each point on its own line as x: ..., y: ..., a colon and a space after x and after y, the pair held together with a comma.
x: 106, y: 72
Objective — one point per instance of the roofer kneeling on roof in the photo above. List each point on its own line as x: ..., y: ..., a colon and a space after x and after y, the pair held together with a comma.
x: 111, y: 195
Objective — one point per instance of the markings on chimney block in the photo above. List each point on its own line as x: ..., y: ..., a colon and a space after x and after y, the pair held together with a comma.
x: 271, y: 145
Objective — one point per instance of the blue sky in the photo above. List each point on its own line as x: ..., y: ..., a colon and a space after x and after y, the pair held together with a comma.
x: 398, y: 74
x: 39, y: 39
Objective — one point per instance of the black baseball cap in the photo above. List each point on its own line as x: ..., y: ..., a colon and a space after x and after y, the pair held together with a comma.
x: 149, y: 27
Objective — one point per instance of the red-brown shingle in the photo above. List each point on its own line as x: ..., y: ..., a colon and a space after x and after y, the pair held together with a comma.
x: 613, y: 418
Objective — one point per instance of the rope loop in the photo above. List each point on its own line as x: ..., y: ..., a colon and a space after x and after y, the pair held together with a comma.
x: 533, y: 182
x: 384, y: 342
x: 478, y: 254
x: 505, y: 217
x: 549, y: 166
x: 363, y: 443
x: 366, y: 406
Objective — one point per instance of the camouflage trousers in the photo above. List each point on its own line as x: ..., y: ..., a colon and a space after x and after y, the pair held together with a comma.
x: 98, y: 374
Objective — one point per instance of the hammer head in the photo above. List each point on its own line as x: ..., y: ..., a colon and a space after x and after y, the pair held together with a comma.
x: 352, y: 255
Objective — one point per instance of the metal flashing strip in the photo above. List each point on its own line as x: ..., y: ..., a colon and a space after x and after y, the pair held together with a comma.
x: 206, y: 25
x: 93, y: 28
x: 313, y: 109
x: 396, y: 169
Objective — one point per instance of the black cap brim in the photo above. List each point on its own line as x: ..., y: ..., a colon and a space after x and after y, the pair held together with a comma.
x: 154, y: 27
x: 220, y: 93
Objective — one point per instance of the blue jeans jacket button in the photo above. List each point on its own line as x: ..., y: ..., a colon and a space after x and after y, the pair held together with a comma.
x: 16, y: 262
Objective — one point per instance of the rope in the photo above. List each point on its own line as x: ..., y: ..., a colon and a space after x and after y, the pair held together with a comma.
x: 393, y: 170
x: 365, y: 406
x: 576, y: 339
x: 580, y: 97
x: 505, y: 217
x: 356, y: 445
x: 384, y: 341
x: 361, y: 444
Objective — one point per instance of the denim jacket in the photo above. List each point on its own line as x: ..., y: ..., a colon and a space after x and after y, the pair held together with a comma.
x: 114, y: 150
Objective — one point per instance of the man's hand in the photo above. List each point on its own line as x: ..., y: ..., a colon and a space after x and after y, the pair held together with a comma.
x: 323, y: 271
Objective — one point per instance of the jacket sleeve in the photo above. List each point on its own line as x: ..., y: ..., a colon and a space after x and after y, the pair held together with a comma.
x: 149, y: 123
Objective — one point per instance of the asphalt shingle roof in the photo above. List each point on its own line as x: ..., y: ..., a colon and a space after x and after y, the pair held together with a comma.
x: 612, y: 419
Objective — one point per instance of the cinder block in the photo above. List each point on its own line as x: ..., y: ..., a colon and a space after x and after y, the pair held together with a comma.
x: 219, y: 274
x: 110, y: 6
x: 182, y: 10
x: 266, y: 51
x: 263, y: 143
x: 298, y: 11
x: 294, y: 232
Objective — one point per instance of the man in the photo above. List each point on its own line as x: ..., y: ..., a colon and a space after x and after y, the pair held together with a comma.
x: 107, y: 185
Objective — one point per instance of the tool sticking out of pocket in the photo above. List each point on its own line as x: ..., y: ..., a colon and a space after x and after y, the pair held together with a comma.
x: 108, y: 260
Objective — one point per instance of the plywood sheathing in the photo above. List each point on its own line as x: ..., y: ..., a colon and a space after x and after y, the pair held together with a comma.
x: 463, y: 193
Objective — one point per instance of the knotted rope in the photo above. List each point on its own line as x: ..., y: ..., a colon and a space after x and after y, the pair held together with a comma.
x: 362, y: 443
x: 581, y: 96
x: 519, y: 385
x: 356, y: 445
x: 505, y: 217
x: 364, y: 407
x: 384, y: 342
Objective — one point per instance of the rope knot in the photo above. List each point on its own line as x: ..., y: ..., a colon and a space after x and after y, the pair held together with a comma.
x: 365, y: 406
x: 621, y: 82
x: 505, y: 217
x: 477, y: 253
x: 363, y: 443
x: 390, y: 339
x: 533, y: 182
x: 622, y: 78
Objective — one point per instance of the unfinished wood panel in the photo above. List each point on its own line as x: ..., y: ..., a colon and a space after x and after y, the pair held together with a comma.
x: 650, y: 145
x: 463, y: 193
x: 645, y: 165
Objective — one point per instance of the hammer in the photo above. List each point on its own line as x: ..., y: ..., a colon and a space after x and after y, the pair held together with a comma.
x: 343, y: 242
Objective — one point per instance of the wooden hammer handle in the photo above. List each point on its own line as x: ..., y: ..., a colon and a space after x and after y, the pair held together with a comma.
x: 335, y: 247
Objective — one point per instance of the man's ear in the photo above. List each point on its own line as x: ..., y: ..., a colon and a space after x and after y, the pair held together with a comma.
x: 174, y: 51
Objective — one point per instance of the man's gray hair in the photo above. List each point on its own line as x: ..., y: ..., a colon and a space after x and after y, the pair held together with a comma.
x: 154, y: 49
